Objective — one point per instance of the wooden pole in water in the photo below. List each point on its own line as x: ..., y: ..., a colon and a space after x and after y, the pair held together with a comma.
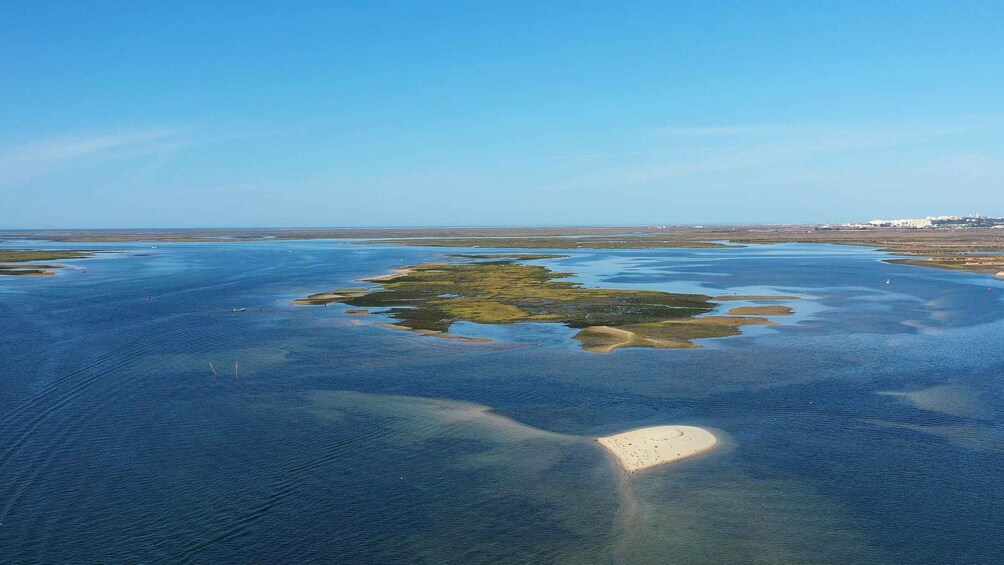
x: 215, y: 374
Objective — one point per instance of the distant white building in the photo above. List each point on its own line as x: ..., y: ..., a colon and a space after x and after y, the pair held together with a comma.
x: 914, y: 223
x: 974, y: 221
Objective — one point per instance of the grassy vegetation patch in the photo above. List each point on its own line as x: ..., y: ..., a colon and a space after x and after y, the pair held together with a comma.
x: 487, y: 289
x: 483, y: 311
x: 22, y: 255
x: 989, y: 264
x: 33, y: 270
x: 26, y: 255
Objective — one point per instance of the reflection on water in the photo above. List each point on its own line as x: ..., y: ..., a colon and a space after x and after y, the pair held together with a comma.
x: 697, y: 514
x: 867, y: 428
x: 465, y: 470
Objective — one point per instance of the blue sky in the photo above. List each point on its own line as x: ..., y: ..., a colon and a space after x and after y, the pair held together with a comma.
x: 138, y: 114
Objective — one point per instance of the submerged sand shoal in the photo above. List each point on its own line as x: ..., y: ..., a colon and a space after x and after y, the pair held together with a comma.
x: 647, y: 447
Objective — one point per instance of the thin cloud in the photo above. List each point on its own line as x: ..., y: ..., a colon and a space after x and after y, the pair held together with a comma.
x: 712, y: 139
x: 38, y: 158
x: 770, y: 146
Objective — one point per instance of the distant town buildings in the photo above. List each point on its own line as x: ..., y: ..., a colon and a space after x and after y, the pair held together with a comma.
x: 935, y: 222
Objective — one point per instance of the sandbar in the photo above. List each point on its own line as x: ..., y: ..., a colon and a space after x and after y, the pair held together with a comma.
x: 761, y: 311
x: 754, y: 297
x: 648, y: 447
x: 605, y: 339
x: 326, y: 298
x: 394, y: 274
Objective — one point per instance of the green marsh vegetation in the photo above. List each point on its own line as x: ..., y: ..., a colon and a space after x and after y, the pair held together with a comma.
x: 989, y: 264
x: 956, y: 249
x: 499, y: 289
x: 27, y: 255
x: 21, y: 255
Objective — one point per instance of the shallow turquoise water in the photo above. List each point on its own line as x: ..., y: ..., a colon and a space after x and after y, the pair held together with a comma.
x: 343, y: 443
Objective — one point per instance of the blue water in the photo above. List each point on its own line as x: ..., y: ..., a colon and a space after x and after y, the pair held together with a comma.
x: 337, y: 442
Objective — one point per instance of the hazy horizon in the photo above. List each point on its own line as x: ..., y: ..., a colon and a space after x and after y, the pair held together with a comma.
x: 458, y: 226
x: 484, y: 226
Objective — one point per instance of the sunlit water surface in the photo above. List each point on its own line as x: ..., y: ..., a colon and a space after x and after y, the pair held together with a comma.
x: 143, y: 420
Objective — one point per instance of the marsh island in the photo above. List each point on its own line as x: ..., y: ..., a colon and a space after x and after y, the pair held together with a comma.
x: 502, y: 289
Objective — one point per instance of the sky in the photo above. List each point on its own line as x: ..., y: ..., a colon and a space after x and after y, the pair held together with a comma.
x: 242, y: 114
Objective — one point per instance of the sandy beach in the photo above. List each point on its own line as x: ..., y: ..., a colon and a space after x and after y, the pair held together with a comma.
x: 647, y: 447
x: 326, y: 298
x: 761, y: 311
x: 394, y: 274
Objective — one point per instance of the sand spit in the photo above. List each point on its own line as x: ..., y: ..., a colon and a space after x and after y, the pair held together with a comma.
x: 397, y: 273
x: 339, y: 295
x: 761, y: 311
x: 606, y: 339
x: 326, y: 297
x: 626, y: 338
x: 635, y: 449
x: 434, y: 333
x: 754, y: 297
x: 648, y: 447
x: 335, y: 404
x: 726, y: 321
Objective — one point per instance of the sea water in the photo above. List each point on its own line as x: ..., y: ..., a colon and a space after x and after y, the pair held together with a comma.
x: 143, y: 420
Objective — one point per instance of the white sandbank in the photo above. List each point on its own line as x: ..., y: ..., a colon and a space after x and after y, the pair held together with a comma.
x: 647, y: 447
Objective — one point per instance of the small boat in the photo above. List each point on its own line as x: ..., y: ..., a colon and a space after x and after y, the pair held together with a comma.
x: 888, y: 281
x: 239, y: 309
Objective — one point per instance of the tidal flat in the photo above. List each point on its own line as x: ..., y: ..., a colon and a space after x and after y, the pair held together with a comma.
x: 978, y: 250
